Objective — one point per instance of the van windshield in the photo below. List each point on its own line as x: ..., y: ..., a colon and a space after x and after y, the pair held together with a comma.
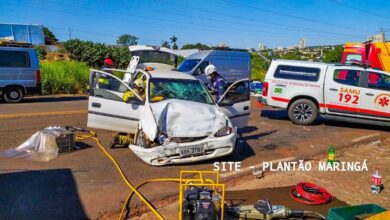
x: 188, y: 65
x: 155, y: 57
x: 183, y: 89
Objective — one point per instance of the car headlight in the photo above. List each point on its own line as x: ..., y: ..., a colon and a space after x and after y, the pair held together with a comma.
x: 224, y: 131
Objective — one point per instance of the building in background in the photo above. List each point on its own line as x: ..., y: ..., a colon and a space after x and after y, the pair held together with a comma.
x: 26, y: 33
x: 377, y: 38
x: 302, y: 44
x: 262, y: 47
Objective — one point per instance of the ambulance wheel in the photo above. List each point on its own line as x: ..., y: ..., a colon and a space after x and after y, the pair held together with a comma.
x: 303, y: 112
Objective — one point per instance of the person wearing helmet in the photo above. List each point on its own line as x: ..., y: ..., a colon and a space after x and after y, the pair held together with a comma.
x: 139, y: 89
x: 217, y: 82
x: 103, y: 79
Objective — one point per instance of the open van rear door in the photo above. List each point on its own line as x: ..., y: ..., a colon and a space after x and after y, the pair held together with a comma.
x: 106, y: 108
x: 235, y: 102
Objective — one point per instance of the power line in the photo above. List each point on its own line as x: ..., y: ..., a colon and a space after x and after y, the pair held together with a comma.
x: 293, y: 16
x: 224, y: 21
x: 358, y: 9
x: 256, y: 33
x: 251, y: 19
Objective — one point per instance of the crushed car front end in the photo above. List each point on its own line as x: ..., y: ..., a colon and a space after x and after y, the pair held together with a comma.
x: 178, y: 152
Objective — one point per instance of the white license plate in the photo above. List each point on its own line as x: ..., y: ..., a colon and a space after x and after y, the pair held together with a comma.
x: 191, y: 150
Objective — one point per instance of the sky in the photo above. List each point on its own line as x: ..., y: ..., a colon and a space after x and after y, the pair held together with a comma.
x: 237, y: 23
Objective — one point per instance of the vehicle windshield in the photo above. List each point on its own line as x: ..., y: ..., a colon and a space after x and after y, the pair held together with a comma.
x: 183, y: 89
x: 155, y: 57
x: 188, y: 65
x: 353, y: 58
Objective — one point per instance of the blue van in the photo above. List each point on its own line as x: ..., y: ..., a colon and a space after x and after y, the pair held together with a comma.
x: 19, y: 73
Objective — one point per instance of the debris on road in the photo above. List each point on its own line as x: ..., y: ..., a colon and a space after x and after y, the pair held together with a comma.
x: 43, y: 145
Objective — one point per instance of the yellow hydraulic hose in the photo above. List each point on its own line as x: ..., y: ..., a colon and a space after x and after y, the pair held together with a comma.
x: 93, y: 136
x: 141, y: 184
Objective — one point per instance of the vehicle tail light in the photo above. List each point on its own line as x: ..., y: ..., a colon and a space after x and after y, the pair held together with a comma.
x: 38, y: 76
x: 265, y: 88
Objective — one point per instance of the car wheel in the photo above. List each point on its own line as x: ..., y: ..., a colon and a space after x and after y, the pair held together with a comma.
x: 303, y: 112
x: 13, y: 95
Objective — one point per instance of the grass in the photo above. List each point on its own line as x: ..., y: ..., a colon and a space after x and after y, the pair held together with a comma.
x: 64, y: 77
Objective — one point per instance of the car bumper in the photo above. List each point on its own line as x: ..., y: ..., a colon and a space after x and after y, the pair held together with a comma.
x: 34, y: 90
x: 214, y: 147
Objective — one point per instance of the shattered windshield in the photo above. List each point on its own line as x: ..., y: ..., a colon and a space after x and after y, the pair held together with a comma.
x: 183, y: 89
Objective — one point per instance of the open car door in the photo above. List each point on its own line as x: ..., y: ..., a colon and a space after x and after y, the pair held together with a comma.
x: 235, y: 102
x: 106, y: 107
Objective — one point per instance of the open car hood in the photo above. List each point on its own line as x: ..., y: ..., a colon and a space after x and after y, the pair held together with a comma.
x: 179, y: 118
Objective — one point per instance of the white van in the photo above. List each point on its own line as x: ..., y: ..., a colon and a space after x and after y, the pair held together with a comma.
x: 342, y: 92
x: 232, y: 64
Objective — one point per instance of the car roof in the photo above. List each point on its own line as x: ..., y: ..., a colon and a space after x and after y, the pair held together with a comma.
x: 204, y: 53
x: 170, y: 75
x: 302, y: 62
x: 16, y: 48
x: 321, y: 64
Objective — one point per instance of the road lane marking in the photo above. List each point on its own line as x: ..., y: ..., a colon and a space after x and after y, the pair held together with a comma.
x: 35, y: 114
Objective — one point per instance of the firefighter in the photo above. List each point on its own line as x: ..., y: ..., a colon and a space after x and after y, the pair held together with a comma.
x: 217, y: 83
x: 104, y: 81
x: 139, y: 89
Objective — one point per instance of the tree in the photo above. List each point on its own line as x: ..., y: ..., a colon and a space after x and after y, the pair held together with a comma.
x: 127, y: 40
x: 173, y: 42
x: 333, y: 56
x: 165, y: 44
x: 195, y: 46
x: 49, y: 36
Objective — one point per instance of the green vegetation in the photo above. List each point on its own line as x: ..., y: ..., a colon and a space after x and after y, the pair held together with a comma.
x: 127, y: 40
x: 50, y: 39
x: 41, y: 52
x: 259, y: 67
x: 173, y: 40
x: 333, y: 56
x: 195, y: 46
x: 64, y: 77
x: 94, y: 53
x: 165, y: 44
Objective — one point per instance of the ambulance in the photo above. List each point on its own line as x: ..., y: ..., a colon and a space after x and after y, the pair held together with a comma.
x: 342, y: 92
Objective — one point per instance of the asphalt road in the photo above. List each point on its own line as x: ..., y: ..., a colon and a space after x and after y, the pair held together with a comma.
x: 91, y: 180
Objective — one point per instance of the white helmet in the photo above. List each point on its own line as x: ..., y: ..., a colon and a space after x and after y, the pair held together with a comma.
x: 210, y: 69
x: 139, y: 83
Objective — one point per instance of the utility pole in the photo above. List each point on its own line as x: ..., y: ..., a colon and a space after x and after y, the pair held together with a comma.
x: 70, y: 34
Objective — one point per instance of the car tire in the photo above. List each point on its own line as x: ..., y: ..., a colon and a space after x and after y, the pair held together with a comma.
x: 13, y: 95
x: 303, y: 112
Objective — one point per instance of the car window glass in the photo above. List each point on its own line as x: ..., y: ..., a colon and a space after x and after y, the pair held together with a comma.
x: 14, y: 59
x: 108, y: 87
x: 203, y: 65
x: 188, y: 65
x: 378, y: 81
x: 347, y: 77
x: 297, y: 73
x: 239, y: 92
x: 353, y: 58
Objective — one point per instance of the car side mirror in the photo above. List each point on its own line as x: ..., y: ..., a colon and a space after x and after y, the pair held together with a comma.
x: 197, y: 72
x: 226, y: 102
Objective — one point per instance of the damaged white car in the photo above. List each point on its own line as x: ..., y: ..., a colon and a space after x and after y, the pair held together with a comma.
x: 177, y: 122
